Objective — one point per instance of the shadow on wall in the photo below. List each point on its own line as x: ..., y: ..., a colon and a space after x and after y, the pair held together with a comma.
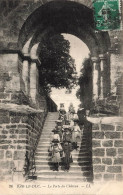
x: 52, y: 107
x: 85, y: 154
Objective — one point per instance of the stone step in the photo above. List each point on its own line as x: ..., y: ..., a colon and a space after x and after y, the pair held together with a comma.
x: 79, y: 155
x: 42, y: 153
x: 60, y: 173
x: 47, y: 131
x: 41, y: 163
x: 61, y: 170
x: 48, y: 144
x: 50, y: 120
x: 50, y: 133
x: 58, y: 176
x: 49, y: 126
x: 46, y: 134
x: 52, y: 116
x: 61, y: 176
x: 73, y: 152
x: 49, y: 136
x: 43, y: 143
x: 79, y: 168
x: 44, y: 148
x: 45, y: 139
x: 75, y: 158
x: 60, y: 179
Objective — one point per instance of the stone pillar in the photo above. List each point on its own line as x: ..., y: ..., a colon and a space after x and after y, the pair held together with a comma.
x: 10, y: 71
x: 104, y: 76
x: 25, y: 75
x: 95, y: 77
x: 33, y: 81
x: 12, y: 89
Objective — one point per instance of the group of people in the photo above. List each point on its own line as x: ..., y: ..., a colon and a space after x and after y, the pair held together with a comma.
x: 63, y: 141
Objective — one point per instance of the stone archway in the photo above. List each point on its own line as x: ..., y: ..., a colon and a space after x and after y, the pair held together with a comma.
x: 19, y: 60
x: 73, y: 18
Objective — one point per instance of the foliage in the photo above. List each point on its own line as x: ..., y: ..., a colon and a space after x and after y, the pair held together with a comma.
x: 109, y: 105
x: 84, y: 93
x: 57, y: 66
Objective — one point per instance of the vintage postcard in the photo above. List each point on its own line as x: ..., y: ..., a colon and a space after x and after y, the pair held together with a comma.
x: 61, y: 97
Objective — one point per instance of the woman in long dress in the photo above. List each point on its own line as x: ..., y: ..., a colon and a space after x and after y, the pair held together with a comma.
x: 60, y: 131
x: 67, y: 136
x: 67, y: 157
x: 56, y: 158
x: 76, y: 134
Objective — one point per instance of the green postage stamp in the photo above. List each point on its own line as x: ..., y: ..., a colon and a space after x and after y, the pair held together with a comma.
x: 107, y: 14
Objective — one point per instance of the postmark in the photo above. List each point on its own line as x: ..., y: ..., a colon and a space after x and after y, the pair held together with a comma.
x: 107, y: 14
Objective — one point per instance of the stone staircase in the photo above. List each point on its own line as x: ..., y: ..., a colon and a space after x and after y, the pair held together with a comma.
x: 80, y: 169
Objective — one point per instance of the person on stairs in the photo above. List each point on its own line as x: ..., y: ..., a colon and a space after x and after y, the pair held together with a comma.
x: 60, y: 132
x: 59, y: 128
x: 67, y: 136
x: 62, y: 113
x: 76, y: 134
x: 55, y: 136
x: 67, y: 156
x: 56, y: 157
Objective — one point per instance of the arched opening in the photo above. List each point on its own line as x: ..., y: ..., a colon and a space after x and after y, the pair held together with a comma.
x: 72, y: 18
x: 63, y: 17
x: 79, y: 51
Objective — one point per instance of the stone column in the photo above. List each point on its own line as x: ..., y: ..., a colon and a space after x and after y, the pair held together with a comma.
x: 10, y: 65
x: 33, y: 81
x: 95, y: 77
x: 104, y: 76
x: 25, y: 75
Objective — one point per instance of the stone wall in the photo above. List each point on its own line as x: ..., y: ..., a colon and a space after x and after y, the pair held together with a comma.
x: 19, y: 134
x: 23, y: 108
x: 107, y: 151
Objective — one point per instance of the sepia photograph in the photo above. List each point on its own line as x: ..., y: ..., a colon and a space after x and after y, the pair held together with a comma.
x: 61, y: 97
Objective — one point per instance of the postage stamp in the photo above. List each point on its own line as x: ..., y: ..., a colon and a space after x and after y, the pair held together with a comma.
x: 107, y: 14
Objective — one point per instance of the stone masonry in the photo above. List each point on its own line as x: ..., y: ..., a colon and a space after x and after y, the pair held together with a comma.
x: 23, y: 108
x: 19, y: 133
x: 107, y: 152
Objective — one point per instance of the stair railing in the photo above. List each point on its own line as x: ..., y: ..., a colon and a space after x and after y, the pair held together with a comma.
x: 30, y: 166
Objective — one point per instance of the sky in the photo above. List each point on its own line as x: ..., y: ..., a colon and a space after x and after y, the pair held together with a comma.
x: 79, y: 51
